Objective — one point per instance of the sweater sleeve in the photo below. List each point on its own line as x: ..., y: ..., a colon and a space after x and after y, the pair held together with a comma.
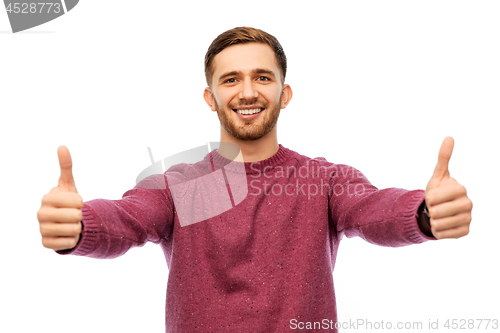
x: 111, y: 227
x: 385, y: 217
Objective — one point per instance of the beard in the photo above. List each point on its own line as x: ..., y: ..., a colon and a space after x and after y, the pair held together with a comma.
x: 252, y: 129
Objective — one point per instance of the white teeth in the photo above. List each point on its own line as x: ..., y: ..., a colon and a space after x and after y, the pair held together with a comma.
x: 249, y: 111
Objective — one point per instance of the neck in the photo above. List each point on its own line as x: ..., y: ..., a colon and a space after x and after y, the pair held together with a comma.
x: 251, y: 151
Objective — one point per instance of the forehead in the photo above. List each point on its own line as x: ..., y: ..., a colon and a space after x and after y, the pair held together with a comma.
x: 245, y: 57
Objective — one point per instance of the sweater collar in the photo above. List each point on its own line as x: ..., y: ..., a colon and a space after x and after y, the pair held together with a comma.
x: 252, y: 167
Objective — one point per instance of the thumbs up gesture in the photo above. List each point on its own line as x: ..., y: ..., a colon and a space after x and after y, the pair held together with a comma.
x: 61, y: 212
x: 447, y: 201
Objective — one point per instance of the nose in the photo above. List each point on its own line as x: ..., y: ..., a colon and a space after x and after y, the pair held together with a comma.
x: 248, y: 90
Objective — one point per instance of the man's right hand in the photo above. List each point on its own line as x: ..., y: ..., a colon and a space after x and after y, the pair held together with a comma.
x: 61, y: 212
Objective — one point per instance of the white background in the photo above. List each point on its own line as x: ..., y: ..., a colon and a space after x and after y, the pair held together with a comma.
x: 377, y: 85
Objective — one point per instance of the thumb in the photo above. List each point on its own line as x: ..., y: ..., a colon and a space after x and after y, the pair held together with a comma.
x: 66, y: 180
x: 441, y: 171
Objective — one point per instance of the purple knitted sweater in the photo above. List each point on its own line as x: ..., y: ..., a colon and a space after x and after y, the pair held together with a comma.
x: 264, y: 265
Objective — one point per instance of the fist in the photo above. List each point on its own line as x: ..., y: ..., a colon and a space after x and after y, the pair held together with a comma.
x: 60, y: 214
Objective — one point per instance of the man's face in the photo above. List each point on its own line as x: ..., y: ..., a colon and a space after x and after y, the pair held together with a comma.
x: 247, y: 76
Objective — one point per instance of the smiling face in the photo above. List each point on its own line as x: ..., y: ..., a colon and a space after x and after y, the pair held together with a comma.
x: 247, y: 77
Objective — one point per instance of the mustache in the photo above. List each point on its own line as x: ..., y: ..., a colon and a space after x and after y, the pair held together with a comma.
x: 263, y: 105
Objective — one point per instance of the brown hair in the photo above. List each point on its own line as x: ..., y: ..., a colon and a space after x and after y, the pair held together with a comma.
x: 243, y: 35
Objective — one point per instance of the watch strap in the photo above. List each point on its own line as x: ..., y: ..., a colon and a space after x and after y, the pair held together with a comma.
x: 425, y: 213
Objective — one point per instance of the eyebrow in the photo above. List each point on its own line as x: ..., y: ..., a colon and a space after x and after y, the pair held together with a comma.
x: 254, y: 71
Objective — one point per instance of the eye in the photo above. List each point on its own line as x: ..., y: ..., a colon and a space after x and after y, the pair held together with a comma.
x: 266, y: 78
x: 227, y: 81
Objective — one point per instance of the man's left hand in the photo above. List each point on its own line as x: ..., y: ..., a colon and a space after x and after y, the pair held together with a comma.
x: 447, y: 201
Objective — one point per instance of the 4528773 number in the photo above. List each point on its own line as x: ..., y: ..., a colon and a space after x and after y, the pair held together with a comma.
x: 471, y: 324
x: 33, y: 8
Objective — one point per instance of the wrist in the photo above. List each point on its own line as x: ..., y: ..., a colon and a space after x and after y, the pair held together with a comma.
x: 423, y: 220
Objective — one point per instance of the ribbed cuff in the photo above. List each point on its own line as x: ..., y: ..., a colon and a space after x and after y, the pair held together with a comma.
x: 412, y: 230
x: 88, y: 238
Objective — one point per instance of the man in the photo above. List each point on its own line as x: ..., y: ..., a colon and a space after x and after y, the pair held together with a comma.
x: 265, y: 264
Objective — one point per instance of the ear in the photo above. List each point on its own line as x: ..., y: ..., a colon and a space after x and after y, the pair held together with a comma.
x: 286, y: 95
x: 209, y: 98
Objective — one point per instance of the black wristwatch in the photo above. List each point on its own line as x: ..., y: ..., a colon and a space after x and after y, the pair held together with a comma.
x: 425, y: 212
